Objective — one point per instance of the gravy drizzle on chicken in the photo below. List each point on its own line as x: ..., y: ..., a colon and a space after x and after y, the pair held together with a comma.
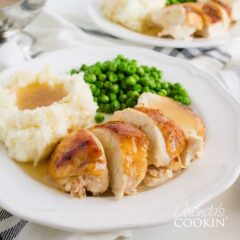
x: 126, y: 150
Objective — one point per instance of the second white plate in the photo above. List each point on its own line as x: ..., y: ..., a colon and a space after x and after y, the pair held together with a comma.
x: 94, y: 9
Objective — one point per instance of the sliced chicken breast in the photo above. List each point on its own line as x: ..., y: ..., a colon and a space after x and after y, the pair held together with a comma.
x: 184, y: 118
x: 216, y: 19
x: 126, y: 149
x: 231, y: 6
x: 178, y: 21
x: 78, y: 164
x: 166, y: 140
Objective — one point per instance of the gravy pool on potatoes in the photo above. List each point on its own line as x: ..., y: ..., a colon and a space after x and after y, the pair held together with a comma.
x: 39, y: 95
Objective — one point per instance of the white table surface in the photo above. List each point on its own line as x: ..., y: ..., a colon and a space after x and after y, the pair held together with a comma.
x: 75, y: 11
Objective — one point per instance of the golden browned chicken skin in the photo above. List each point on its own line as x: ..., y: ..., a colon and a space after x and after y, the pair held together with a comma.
x: 167, y: 142
x: 126, y: 151
x: 174, y: 137
x: 78, y: 164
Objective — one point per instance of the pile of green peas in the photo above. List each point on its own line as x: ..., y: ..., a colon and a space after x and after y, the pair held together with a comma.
x: 117, y: 84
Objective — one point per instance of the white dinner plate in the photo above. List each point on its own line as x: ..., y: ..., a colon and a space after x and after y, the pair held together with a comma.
x: 206, y: 178
x: 94, y: 9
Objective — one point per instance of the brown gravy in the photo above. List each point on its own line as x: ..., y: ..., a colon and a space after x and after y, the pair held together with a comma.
x: 39, y: 172
x: 39, y: 95
x: 151, y: 31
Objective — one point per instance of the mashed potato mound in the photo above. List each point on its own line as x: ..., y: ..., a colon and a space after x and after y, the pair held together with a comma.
x: 31, y: 135
x: 130, y: 13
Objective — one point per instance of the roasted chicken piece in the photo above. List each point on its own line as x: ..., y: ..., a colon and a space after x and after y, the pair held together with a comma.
x: 182, y: 21
x: 216, y: 19
x: 178, y: 21
x: 78, y: 164
x: 184, y: 118
x: 126, y: 151
x: 167, y: 142
x: 231, y: 6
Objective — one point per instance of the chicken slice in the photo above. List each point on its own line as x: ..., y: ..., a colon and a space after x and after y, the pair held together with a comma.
x: 78, y: 164
x: 166, y: 140
x: 216, y: 19
x: 178, y: 21
x: 184, y: 118
x: 126, y: 150
x: 231, y: 6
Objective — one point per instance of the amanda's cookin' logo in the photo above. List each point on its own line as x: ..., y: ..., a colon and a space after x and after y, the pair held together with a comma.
x: 211, y: 217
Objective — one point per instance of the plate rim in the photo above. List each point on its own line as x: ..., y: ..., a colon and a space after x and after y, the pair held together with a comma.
x: 218, y: 187
x: 124, y: 33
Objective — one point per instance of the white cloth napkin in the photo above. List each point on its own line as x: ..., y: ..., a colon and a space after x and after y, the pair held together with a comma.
x: 52, y: 32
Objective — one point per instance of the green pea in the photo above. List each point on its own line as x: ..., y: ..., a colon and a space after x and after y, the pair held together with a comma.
x: 112, y: 67
x: 131, y: 102
x: 99, y: 117
x: 153, y: 69
x: 155, y: 75
x: 152, y: 84
x: 146, y: 89
x: 131, y: 69
x: 115, y: 105
x: 93, y: 88
x: 177, y: 86
x: 84, y: 67
x: 97, y: 92
x: 140, y: 71
x: 120, y: 57
x: 121, y: 77
x: 123, y: 106
x: 122, y: 67
x: 165, y: 85
x: 122, y: 97
x: 137, y: 88
x: 136, y: 77
x: 107, y: 108
x: 132, y: 94
x: 186, y: 101
x: 131, y: 80
x: 112, y: 77
x: 177, y: 98
x: 102, y: 77
x: 113, y: 96
x: 107, y: 84
x: 134, y: 62
x: 90, y: 78
x: 73, y: 71
x: 115, y: 88
x: 104, y: 66
x: 163, y: 92
x: 123, y: 85
x: 158, y: 87
x: 146, y: 69
x: 99, y: 85
x: 104, y: 98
